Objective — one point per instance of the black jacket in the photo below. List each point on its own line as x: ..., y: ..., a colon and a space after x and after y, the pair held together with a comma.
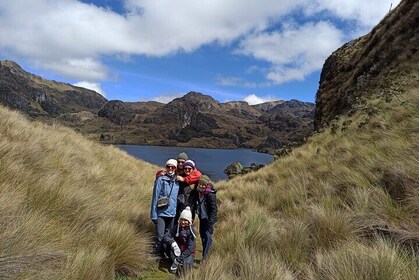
x: 209, y: 201
x: 186, y: 242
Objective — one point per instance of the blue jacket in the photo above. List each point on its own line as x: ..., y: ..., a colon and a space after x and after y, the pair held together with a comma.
x: 164, y: 186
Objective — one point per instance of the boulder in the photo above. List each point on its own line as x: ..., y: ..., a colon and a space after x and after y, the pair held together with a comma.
x: 236, y: 168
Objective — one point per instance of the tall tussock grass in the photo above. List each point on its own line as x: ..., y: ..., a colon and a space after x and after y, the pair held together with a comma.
x: 343, y: 206
x: 380, y: 260
x: 70, y: 208
x: 243, y: 263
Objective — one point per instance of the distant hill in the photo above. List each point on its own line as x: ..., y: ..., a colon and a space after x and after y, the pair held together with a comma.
x: 195, y: 120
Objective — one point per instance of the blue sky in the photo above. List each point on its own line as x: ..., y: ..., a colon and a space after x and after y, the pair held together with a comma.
x: 140, y: 50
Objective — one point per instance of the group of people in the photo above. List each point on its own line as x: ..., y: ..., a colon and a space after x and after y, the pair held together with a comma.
x: 180, y: 192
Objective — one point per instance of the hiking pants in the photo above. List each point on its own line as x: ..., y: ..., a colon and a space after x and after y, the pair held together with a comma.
x: 206, y: 237
x: 163, y: 225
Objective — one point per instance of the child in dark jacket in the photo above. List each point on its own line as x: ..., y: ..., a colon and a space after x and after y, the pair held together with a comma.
x: 207, y: 213
x: 182, y: 241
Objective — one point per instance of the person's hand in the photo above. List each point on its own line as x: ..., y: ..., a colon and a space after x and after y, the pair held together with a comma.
x: 176, y: 249
x: 180, y: 178
x: 161, y: 172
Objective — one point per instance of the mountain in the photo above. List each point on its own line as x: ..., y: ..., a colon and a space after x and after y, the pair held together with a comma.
x: 195, y: 119
x: 379, y: 63
x: 198, y: 120
x: 40, y: 97
x: 123, y: 113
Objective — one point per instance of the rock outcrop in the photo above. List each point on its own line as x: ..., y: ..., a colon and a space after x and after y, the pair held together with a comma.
x: 236, y: 168
x: 36, y: 96
x: 368, y: 65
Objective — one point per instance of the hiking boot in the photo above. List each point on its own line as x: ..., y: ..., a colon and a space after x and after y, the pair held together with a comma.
x: 174, y: 266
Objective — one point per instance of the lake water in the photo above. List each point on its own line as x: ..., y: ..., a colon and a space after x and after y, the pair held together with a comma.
x: 211, y: 162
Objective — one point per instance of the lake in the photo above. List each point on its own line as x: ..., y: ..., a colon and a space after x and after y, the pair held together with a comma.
x: 211, y: 162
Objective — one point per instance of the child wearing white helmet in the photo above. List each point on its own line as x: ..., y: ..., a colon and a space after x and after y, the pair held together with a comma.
x: 181, y: 240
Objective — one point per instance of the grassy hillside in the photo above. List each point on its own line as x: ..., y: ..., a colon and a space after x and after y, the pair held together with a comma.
x: 343, y: 206
x: 69, y: 208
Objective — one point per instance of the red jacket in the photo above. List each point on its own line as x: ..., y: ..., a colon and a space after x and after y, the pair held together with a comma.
x: 192, y: 178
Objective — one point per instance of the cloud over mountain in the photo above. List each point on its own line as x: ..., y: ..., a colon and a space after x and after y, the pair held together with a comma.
x: 77, y: 39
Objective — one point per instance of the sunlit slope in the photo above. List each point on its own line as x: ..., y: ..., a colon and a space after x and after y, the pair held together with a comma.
x: 69, y: 208
x: 343, y: 206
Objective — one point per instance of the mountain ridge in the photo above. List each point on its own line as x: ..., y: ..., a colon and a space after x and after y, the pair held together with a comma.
x: 195, y: 119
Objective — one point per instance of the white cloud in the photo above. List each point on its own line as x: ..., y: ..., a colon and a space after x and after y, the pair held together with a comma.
x: 166, y: 98
x: 234, y: 81
x: 83, y: 68
x: 63, y: 31
x: 93, y: 86
x: 367, y: 13
x: 72, y: 38
x: 294, y: 52
x: 254, y: 99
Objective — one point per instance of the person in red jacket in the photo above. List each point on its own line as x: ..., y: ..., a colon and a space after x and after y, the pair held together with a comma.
x: 189, y: 174
x: 187, y: 178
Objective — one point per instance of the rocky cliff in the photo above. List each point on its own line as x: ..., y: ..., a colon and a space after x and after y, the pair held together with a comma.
x: 377, y: 64
x: 40, y: 97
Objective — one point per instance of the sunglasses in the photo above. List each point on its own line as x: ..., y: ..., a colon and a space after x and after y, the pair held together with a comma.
x: 170, y: 167
x: 180, y: 161
x: 187, y: 169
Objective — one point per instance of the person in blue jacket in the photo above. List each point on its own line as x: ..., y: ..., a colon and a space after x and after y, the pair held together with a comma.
x: 163, y: 204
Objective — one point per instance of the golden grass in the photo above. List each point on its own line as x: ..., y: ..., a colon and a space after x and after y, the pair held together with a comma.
x: 343, y: 206
x: 324, y: 210
x: 65, y: 196
x: 378, y: 261
x: 243, y: 263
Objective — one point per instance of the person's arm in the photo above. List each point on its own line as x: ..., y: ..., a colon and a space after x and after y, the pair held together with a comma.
x: 170, y: 241
x: 193, y: 203
x: 156, y: 192
x: 168, y: 237
x: 212, y: 209
x: 160, y: 172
